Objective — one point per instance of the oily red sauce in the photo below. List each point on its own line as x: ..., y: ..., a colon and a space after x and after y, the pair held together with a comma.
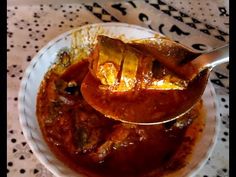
x: 143, y: 105
x: 93, y: 145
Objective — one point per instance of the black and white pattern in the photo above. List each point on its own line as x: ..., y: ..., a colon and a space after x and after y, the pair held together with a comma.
x: 183, y: 24
x: 101, y: 13
x: 190, y: 21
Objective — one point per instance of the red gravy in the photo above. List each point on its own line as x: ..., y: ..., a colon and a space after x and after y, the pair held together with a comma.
x: 96, y: 146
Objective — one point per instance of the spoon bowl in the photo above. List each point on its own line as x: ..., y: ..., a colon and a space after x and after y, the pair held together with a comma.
x: 155, y: 106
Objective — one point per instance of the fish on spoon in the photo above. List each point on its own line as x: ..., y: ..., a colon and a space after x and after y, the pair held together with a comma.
x: 143, y: 82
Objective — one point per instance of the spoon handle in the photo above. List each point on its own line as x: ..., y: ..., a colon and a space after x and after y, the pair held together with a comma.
x: 212, y: 59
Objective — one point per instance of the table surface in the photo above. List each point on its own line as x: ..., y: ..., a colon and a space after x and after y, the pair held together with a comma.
x: 201, y: 25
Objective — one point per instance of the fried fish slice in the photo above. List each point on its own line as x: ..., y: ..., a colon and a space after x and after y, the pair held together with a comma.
x: 129, y: 70
x: 172, y: 55
x: 121, y: 68
x: 106, y: 60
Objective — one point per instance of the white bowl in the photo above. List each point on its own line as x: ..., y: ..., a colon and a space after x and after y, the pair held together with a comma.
x: 45, y: 58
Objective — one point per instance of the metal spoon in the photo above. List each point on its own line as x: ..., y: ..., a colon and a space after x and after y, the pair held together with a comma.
x: 211, y: 59
x: 201, y: 65
x: 180, y: 59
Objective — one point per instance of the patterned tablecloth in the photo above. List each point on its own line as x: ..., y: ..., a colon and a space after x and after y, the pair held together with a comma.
x: 202, y: 25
